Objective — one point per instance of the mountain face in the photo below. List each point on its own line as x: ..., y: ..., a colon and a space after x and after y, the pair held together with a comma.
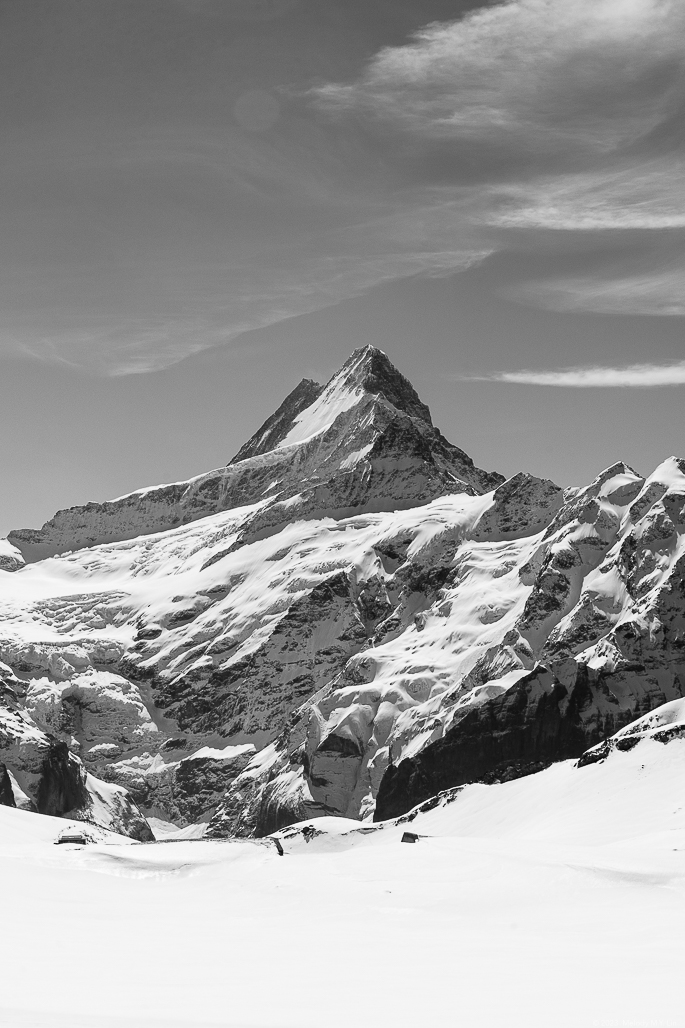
x: 348, y: 619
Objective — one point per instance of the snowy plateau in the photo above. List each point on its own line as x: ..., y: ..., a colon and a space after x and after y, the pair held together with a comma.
x: 245, y: 690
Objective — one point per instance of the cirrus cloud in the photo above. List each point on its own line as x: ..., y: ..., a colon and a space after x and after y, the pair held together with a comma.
x: 554, y: 115
x: 637, y: 376
x: 586, y: 75
x: 657, y: 291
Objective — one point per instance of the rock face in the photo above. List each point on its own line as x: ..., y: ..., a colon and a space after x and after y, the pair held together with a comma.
x: 39, y: 773
x: 347, y: 619
x: 6, y: 791
x: 10, y: 557
x: 535, y: 722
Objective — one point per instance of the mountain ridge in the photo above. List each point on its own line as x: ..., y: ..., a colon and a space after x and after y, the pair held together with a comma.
x: 342, y: 464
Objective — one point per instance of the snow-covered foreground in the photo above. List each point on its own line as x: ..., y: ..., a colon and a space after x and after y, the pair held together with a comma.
x: 553, y: 900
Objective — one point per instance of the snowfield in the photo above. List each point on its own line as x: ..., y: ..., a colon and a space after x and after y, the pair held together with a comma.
x: 553, y: 900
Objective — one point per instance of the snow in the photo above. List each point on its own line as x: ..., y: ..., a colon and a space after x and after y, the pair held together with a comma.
x: 106, y: 801
x: 90, y: 600
x: 556, y: 899
x: 225, y: 753
x: 166, y: 830
x: 353, y: 458
x: 261, y: 762
x: 670, y: 473
x: 630, y: 796
x: 340, y: 395
x: 667, y: 715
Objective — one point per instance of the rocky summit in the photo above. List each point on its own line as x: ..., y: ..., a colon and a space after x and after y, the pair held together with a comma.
x: 348, y: 619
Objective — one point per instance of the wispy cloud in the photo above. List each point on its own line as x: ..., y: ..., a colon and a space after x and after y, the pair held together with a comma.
x: 260, y: 234
x: 533, y: 116
x: 558, y: 116
x: 643, y: 195
x: 636, y: 376
x: 260, y: 294
x: 588, y: 76
x: 656, y: 291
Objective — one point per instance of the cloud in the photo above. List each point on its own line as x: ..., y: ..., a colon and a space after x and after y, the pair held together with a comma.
x: 645, y: 195
x: 523, y: 117
x: 636, y: 376
x: 259, y: 232
x: 577, y: 76
x: 656, y: 292
x: 348, y: 263
x: 557, y: 116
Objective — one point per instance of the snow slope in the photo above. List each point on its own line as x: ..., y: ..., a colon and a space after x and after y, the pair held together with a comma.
x: 555, y: 899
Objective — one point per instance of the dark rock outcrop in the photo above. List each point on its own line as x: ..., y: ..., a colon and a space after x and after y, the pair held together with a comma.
x: 62, y: 783
x: 6, y: 791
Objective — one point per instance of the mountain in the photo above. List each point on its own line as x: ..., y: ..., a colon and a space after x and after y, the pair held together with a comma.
x: 349, y: 618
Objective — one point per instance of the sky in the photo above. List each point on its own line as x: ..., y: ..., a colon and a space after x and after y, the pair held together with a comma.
x: 205, y: 201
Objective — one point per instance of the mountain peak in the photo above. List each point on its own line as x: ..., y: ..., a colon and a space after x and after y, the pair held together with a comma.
x: 371, y: 370
x: 310, y: 408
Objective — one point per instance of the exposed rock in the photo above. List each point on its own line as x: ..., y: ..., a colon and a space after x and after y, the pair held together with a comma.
x: 11, y: 558
x: 182, y: 791
x: 534, y: 723
x: 62, y: 782
x: 520, y: 506
x: 47, y: 778
x: 6, y: 792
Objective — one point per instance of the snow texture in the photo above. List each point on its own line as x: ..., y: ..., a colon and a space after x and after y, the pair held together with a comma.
x: 553, y: 899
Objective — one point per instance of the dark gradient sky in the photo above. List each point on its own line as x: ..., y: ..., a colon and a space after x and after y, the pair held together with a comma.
x: 206, y: 200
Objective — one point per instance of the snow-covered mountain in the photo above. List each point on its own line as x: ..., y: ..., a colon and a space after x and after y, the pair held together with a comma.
x: 347, y: 619
x: 363, y: 442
